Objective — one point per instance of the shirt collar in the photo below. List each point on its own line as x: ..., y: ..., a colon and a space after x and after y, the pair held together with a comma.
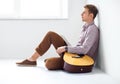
x: 85, y: 26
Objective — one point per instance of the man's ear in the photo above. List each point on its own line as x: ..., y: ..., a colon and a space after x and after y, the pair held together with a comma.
x: 91, y: 15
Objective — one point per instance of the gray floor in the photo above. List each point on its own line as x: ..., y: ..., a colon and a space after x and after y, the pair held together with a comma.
x: 12, y: 74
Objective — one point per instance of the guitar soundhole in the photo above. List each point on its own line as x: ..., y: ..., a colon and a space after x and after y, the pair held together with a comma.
x: 78, y: 56
x: 81, y: 54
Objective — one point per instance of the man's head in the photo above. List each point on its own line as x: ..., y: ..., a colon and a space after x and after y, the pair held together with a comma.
x: 89, y: 13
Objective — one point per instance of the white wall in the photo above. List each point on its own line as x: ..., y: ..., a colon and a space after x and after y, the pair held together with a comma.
x: 19, y: 38
x: 109, y: 16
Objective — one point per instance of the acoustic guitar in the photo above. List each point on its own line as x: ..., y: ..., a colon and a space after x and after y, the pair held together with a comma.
x: 77, y: 63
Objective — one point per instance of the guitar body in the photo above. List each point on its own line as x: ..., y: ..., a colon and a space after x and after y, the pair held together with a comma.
x: 77, y: 64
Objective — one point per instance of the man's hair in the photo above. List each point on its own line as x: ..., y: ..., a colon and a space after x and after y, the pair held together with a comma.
x: 92, y: 9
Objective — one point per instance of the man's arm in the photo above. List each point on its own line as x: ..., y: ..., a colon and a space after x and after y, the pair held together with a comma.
x: 90, y: 39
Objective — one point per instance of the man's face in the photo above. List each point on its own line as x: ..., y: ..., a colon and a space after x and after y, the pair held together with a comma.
x: 85, y: 15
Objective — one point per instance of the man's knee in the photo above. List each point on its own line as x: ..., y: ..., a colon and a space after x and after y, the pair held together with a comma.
x: 50, y: 33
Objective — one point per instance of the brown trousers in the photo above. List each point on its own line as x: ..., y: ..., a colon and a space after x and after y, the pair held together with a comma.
x: 53, y: 63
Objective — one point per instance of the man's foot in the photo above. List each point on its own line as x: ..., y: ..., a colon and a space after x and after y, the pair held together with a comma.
x: 27, y: 63
x: 45, y: 60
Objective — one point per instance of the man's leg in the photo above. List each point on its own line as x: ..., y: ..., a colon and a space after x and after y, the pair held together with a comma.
x: 50, y: 38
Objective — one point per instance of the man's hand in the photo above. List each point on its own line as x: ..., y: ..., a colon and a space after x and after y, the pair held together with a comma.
x: 60, y: 49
